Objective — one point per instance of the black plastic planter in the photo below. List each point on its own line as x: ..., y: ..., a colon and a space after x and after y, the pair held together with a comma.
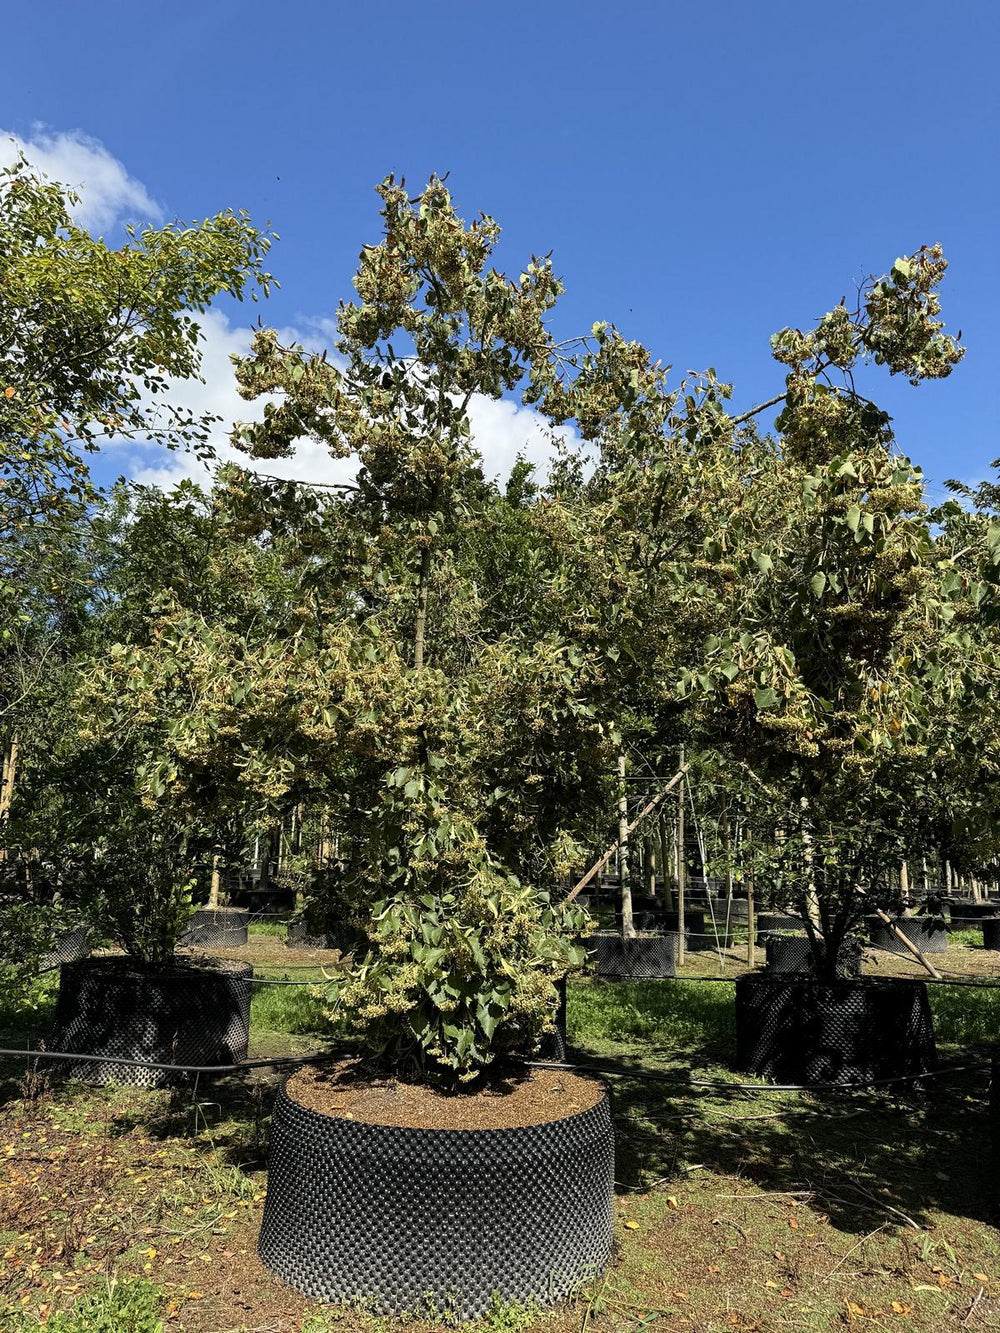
x: 991, y: 933
x: 66, y: 948
x: 928, y: 933
x: 216, y: 928
x: 433, y: 1220
x: 188, y: 1013
x: 298, y: 937
x: 695, y: 931
x: 767, y: 921
x: 643, y: 958
x: 794, y: 953
x: 966, y: 916
x: 794, y: 1029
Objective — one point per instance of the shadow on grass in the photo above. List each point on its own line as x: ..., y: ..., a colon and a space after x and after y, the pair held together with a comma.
x: 864, y: 1157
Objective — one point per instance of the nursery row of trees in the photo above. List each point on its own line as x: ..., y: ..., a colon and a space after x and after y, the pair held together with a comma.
x: 443, y: 670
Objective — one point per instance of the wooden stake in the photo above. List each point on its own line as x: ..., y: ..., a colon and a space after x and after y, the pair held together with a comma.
x: 901, y: 937
x: 599, y: 865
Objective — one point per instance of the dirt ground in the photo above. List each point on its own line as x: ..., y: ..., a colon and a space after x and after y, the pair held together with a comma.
x: 735, y: 1210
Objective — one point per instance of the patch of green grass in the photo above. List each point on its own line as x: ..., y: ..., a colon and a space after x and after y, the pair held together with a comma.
x: 119, y: 1307
x: 972, y: 938
x: 675, y: 1014
x: 965, y: 1014
x: 292, y: 1009
x: 271, y: 929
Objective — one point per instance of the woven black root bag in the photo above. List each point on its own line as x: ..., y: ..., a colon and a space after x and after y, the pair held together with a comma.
x: 182, y: 1014
x: 794, y: 1029
x: 928, y: 933
x: 794, y: 953
x: 67, y: 947
x: 216, y: 928
x: 643, y: 958
x: 432, y: 1221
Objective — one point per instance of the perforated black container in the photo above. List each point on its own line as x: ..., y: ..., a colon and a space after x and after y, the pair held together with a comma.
x: 644, y: 958
x: 299, y: 937
x: 928, y: 933
x: 794, y: 953
x: 216, y: 928
x: 767, y: 921
x: 966, y: 916
x: 66, y: 947
x: 435, y: 1220
x: 991, y: 933
x: 793, y: 1029
x: 190, y: 1013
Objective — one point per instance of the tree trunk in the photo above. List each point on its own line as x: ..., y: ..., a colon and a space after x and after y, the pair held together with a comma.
x: 727, y: 852
x: 7, y: 786
x: 213, y: 892
x: 649, y: 853
x: 665, y: 861
x: 628, y: 925
x: 681, y: 866
x: 751, y: 915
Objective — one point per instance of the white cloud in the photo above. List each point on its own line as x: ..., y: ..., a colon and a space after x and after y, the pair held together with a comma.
x: 107, y: 192
x: 501, y: 429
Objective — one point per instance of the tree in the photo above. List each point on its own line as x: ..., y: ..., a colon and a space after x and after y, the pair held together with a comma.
x: 429, y: 714
x: 91, y: 338
x: 789, y: 591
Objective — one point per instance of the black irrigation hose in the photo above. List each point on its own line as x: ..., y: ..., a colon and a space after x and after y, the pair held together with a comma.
x: 276, y: 981
x: 641, y: 1075
x: 179, y: 1069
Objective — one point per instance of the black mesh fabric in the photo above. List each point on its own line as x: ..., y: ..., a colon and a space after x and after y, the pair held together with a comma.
x: 216, y: 928
x: 778, y: 921
x: 182, y: 1014
x: 966, y: 916
x: 798, y: 1030
x: 67, y: 947
x: 298, y: 938
x: 794, y: 953
x: 644, y: 958
x: 928, y: 933
x: 431, y: 1221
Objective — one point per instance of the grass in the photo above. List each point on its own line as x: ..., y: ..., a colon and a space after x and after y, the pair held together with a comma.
x: 129, y: 1211
x: 268, y: 929
x: 299, y: 1009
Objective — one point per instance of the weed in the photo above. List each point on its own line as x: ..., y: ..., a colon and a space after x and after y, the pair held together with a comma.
x: 508, y: 1316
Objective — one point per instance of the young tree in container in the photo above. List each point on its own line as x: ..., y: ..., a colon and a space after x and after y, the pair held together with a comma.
x: 828, y: 682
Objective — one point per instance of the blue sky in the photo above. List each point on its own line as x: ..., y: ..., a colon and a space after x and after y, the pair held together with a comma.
x: 702, y: 175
